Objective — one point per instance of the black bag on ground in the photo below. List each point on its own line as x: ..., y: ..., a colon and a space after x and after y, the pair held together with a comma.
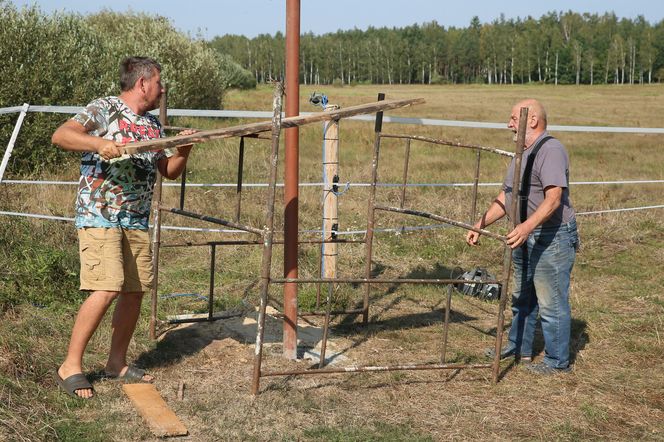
x: 480, y: 290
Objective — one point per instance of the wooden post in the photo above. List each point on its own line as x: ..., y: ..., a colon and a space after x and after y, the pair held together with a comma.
x: 330, y: 200
x: 12, y: 140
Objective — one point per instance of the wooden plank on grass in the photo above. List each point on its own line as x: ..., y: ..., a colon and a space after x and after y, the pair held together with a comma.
x: 265, y: 126
x: 149, y: 403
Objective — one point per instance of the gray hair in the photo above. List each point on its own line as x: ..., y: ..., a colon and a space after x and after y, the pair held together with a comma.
x: 133, y: 68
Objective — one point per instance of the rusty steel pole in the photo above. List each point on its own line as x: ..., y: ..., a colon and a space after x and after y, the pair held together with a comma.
x: 156, y: 226
x: 268, y: 237
x: 507, y: 259
x: 371, y: 214
x: 291, y: 175
x: 476, y: 182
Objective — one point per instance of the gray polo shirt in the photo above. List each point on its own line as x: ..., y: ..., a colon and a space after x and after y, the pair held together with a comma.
x: 551, y: 168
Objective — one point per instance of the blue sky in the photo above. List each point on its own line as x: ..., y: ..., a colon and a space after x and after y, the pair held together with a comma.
x: 209, y: 18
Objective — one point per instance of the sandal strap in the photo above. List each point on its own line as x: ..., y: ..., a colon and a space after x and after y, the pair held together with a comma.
x: 133, y: 374
x: 75, y: 382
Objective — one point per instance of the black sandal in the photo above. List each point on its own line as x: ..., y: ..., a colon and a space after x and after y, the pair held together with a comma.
x: 74, y: 382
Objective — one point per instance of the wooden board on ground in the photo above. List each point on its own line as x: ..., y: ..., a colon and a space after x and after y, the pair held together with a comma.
x: 254, y: 128
x: 149, y: 403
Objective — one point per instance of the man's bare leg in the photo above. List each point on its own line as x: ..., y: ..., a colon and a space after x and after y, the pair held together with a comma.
x: 125, y: 317
x: 87, y: 320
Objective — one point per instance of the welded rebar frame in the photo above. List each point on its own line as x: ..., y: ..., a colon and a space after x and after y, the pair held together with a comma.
x: 367, y: 280
x: 267, y: 240
x: 158, y: 208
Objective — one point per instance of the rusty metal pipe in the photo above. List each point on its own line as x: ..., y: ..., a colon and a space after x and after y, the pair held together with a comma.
x: 507, y: 259
x: 376, y: 368
x: 323, y: 313
x: 240, y: 167
x: 446, y: 323
x: 405, y: 174
x: 443, y: 219
x: 450, y: 143
x: 214, y: 220
x: 381, y: 281
x: 213, y: 259
x: 266, y: 263
x: 371, y: 212
x: 476, y: 183
x: 240, y: 242
x: 183, y: 186
x: 291, y: 177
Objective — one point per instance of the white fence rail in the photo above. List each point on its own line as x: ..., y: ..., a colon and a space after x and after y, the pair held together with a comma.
x: 267, y: 115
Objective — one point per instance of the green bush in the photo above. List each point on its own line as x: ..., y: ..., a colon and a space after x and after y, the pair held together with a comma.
x: 48, y: 60
x: 39, y: 264
x: 69, y: 59
x: 190, y: 69
x: 235, y: 75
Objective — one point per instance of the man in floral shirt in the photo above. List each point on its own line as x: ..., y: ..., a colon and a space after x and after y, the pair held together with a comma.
x: 112, y: 214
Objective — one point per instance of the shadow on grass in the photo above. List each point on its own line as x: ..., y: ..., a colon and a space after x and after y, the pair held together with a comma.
x: 578, y: 339
x: 180, y: 343
x: 430, y: 314
x: 433, y: 314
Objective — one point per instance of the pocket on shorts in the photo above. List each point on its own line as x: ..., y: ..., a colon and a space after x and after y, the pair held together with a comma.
x: 91, y: 261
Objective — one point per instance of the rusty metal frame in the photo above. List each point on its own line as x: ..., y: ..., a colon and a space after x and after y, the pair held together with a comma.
x: 249, y: 130
x: 267, y: 240
x: 158, y: 208
x: 368, y: 280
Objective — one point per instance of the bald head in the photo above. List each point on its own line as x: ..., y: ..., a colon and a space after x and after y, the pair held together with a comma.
x: 535, y: 109
x: 536, y: 119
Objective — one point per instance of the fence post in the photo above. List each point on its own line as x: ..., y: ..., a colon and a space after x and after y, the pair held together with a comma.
x: 12, y: 140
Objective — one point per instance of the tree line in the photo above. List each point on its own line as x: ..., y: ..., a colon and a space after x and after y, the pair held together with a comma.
x: 557, y: 48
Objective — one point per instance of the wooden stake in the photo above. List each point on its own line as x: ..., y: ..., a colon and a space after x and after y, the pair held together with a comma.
x: 330, y: 200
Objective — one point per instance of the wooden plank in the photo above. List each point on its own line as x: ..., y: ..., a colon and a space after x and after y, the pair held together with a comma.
x: 265, y: 126
x: 159, y: 417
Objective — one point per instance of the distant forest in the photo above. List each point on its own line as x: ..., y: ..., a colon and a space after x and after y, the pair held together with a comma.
x: 557, y: 48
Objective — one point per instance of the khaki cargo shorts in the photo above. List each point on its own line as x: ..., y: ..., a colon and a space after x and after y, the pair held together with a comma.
x: 115, y: 259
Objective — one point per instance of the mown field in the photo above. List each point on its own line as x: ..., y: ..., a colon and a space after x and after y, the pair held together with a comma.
x: 615, y: 391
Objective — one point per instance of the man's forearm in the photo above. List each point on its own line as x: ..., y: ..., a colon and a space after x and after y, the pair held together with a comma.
x: 495, y: 212
x: 174, y: 165
x: 72, y: 139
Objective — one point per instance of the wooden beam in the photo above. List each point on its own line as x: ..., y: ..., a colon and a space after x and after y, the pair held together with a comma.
x: 159, y: 417
x: 265, y: 126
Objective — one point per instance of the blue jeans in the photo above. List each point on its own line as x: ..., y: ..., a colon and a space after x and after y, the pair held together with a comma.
x: 542, y: 268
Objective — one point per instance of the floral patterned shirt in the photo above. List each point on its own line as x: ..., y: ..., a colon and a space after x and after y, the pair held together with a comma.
x: 117, y: 193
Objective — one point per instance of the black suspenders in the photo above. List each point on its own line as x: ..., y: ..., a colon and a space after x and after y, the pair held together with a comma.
x: 525, y: 181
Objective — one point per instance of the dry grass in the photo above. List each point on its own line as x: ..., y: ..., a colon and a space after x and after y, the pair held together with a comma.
x: 615, y: 391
